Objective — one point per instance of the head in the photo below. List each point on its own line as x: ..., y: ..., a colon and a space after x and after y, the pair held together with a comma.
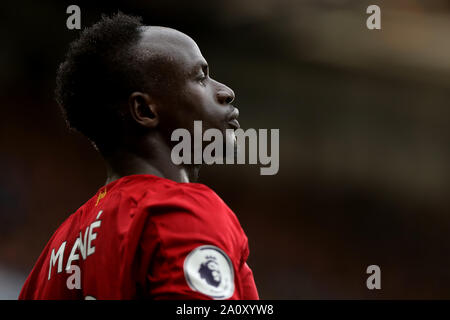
x: 123, y: 83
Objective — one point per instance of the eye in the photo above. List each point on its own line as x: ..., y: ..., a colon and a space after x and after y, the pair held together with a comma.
x: 202, y: 79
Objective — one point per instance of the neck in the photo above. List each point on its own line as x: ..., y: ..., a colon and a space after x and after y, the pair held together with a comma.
x: 126, y: 161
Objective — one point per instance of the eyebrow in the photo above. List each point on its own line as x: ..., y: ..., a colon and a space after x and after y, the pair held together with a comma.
x: 201, y: 64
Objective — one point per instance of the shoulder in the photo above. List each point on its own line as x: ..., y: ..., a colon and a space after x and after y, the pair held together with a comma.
x: 164, y: 209
x: 166, y: 195
x: 187, y: 208
x: 197, y: 196
x: 188, y: 233
x: 148, y: 189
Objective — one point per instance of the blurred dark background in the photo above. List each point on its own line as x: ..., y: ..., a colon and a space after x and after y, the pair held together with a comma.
x: 364, y: 138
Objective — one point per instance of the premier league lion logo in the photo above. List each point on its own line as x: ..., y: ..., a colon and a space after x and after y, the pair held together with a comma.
x: 209, y: 271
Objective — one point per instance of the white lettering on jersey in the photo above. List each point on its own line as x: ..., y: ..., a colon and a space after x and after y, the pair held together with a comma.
x: 83, y: 244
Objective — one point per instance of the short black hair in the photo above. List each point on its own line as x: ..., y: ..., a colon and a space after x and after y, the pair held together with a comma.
x: 98, y: 74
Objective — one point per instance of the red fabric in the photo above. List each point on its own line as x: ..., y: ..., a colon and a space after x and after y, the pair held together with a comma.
x: 147, y: 227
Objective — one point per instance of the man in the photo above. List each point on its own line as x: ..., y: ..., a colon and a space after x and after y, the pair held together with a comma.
x: 149, y: 232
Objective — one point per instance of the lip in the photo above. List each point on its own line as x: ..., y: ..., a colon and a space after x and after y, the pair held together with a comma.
x: 232, y: 118
x: 234, y: 114
x: 234, y: 123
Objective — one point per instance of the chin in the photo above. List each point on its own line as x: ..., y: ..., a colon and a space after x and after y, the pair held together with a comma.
x: 230, y: 144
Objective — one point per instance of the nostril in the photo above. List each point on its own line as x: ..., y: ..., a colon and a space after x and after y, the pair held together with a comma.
x: 225, y: 96
x: 229, y: 99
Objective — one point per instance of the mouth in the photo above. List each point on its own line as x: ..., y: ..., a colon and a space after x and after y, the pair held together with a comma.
x: 234, y: 123
x: 232, y: 119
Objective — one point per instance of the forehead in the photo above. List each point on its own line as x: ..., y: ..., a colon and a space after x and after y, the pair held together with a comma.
x: 170, y: 46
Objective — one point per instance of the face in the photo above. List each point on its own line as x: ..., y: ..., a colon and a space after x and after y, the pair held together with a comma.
x: 190, y: 92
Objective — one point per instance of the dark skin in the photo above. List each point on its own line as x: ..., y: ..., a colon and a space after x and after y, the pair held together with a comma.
x: 190, y: 94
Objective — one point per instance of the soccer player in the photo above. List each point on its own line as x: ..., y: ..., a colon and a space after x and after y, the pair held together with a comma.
x: 150, y: 232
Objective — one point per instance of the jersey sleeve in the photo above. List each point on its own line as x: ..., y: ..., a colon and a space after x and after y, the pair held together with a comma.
x: 163, y: 273
x: 194, y: 248
x: 249, y: 291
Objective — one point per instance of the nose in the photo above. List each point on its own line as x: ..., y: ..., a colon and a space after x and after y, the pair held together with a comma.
x: 225, y: 95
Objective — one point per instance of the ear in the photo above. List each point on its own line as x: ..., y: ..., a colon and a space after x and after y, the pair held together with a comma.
x: 143, y: 109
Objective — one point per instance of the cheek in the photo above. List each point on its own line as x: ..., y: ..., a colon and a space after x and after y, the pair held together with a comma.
x: 201, y: 100
x: 181, y: 107
x: 198, y: 104
x: 194, y: 102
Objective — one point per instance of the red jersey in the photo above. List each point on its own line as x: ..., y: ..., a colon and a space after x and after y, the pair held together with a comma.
x: 142, y: 236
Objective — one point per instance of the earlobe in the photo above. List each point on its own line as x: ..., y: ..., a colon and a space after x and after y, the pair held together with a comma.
x: 143, y: 109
